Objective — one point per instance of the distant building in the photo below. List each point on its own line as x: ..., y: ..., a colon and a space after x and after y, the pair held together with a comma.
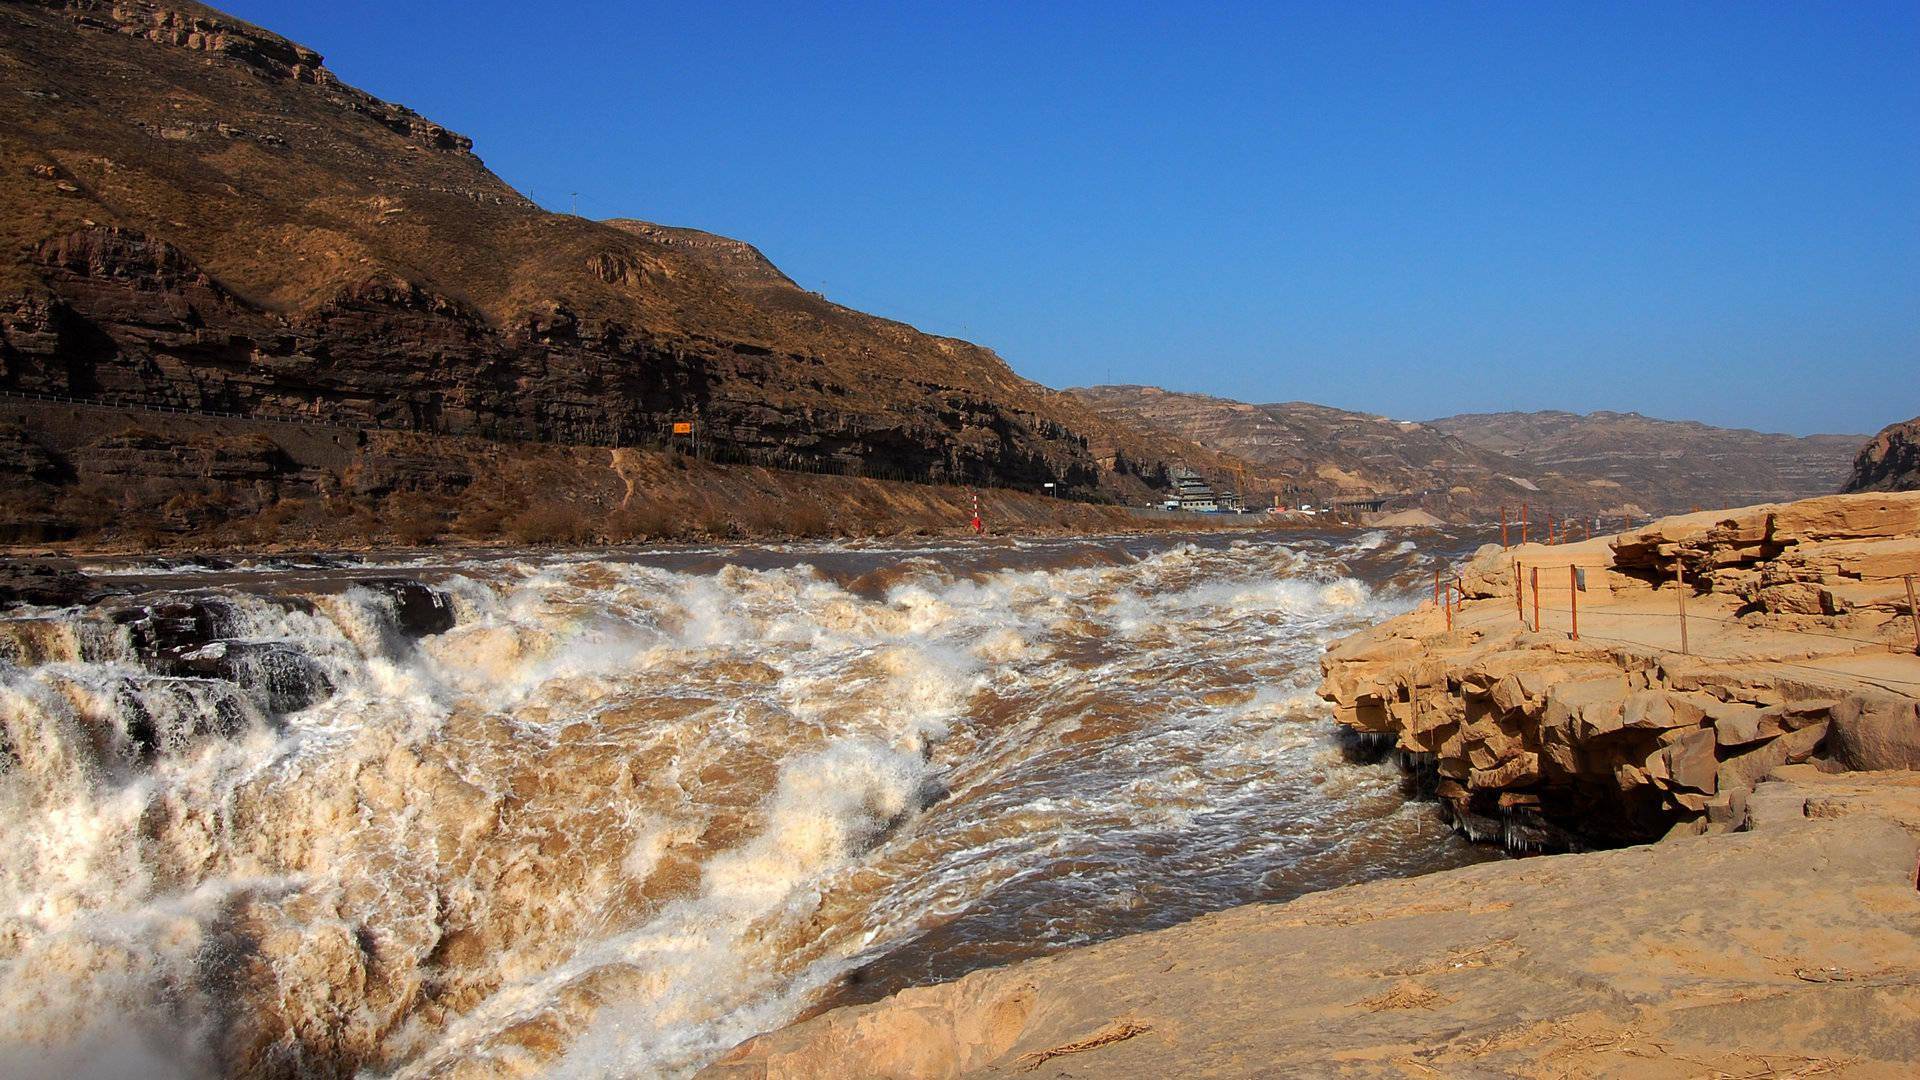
x: 1192, y: 493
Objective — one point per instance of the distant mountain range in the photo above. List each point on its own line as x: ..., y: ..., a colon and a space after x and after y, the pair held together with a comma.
x: 1621, y: 464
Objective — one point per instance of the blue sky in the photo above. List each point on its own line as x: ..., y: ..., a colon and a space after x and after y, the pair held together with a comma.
x: 1694, y: 210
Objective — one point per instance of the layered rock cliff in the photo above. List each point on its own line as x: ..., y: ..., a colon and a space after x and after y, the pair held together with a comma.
x: 1711, y: 649
x: 196, y: 214
x: 1890, y: 461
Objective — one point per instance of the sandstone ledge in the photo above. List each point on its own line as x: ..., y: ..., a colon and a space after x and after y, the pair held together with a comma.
x: 1789, y: 950
x: 1799, y: 648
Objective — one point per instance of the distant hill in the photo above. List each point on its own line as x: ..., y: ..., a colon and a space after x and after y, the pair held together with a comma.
x: 1314, y: 453
x: 1890, y: 461
x: 1669, y: 465
x: 1471, y: 465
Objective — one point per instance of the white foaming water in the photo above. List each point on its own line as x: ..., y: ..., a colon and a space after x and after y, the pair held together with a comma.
x: 623, y: 816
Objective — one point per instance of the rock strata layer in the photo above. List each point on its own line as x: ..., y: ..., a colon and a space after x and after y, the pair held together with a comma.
x: 1711, y: 649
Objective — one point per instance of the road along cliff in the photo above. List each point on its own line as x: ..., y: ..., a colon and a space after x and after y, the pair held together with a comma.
x: 1613, y: 690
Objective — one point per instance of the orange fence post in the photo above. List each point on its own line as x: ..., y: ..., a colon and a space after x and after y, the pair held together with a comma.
x: 1436, y: 588
x: 1503, y: 526
x: 1680, y: 581
x: 1449, y: 607
x: 1519, y: 595
x: 1523, y: 522
x: 1535, y: 575
x: 1573, y: 599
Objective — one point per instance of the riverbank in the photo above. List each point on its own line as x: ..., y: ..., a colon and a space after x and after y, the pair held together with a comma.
x: 1785, y: 717
x: 1789, y: 951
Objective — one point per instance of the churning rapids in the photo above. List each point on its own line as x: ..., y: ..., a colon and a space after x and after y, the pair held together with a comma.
x: 591, y: 815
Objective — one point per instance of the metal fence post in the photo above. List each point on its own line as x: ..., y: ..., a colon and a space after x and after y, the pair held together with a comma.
x: 1680, y: 581
x: 1573, y: 598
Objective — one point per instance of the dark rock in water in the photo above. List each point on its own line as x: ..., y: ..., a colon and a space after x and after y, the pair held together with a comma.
x: 197, y: 638
x: 421, y: 611
x: 191, y: 562
x: 289, y: 679
x: 45, y: 582
x: 160, y: 716
x: 161, y: 630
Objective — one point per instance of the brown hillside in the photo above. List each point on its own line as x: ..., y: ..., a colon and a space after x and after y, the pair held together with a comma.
x: 195, y: 212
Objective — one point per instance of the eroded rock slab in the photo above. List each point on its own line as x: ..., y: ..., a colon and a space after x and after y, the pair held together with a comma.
x: 1794, y: 949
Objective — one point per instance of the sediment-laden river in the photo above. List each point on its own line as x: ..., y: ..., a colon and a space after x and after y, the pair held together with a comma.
x: 629, y: 810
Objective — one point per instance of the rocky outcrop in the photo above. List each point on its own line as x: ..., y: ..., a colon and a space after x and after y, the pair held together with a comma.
x: 1791, y: 950
x: 1890, y: 461
x: 1798, y: 646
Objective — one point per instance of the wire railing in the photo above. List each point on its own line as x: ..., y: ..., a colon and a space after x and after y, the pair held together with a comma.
x: 1451, y: 596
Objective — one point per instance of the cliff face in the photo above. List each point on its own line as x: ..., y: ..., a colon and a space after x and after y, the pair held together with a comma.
x: 1667, y: 465
x: 195, y: 213
x: 1890, y: 461
x: 1798, y: 645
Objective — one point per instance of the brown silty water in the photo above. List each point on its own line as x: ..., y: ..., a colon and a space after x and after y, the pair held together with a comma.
x: 632, y: 809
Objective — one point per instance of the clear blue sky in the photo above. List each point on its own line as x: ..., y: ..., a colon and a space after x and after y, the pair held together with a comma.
x: 1695, y: 210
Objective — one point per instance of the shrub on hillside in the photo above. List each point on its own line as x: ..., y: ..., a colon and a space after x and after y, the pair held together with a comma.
x: 549, y: 523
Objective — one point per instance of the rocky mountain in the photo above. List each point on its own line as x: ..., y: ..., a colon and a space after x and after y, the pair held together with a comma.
x: 1669, y: 465
x: 1317, y: 454
x: 196, y: 215
x: 1890, y: 461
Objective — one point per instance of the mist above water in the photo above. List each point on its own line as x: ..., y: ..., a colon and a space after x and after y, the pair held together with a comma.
x: 629, y: 810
